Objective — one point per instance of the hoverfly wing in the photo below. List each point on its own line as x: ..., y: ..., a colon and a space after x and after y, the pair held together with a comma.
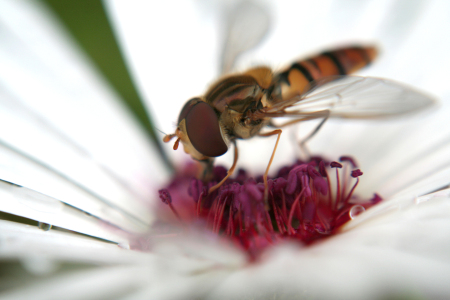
x: 354, y: 97
x: 247, y: 24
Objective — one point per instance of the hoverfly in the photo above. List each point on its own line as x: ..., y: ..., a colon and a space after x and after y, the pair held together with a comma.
x: 238, y: 106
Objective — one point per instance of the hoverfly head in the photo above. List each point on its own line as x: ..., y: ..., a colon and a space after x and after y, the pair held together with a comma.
x: 199, y: 130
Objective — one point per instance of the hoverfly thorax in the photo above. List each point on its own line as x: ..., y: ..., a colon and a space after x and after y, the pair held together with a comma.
x: 237, y: 98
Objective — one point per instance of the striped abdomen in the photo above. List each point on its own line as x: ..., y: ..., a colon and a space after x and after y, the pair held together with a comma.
x: 295, y: 80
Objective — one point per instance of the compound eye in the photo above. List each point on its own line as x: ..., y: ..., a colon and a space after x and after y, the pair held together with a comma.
x: 202, y: 127
x: 187, y: 107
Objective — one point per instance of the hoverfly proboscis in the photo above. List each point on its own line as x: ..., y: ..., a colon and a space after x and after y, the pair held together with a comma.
x: 238, y: 106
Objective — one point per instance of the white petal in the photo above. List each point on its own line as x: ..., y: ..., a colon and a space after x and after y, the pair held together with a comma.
x: 389, y: 254
x: 21, y: 241
x: 20, y: 201
x: 83, y: 268
x: 180, y: 268
x: 38, y: 179
x: 60, y: 116
x: 109, y: 282
x: 401, y: 253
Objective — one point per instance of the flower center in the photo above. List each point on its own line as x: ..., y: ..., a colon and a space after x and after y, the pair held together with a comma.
x: 305, y: 203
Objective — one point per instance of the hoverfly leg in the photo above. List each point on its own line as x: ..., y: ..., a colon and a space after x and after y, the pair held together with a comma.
x: 206, y: 169
x: 302, y: 143
x: 266, y: 185
x: 229, y: 173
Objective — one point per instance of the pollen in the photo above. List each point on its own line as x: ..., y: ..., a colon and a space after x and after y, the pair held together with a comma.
x: 308, y: 201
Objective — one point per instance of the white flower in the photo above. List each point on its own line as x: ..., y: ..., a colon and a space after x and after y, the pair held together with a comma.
x: 70, y: 149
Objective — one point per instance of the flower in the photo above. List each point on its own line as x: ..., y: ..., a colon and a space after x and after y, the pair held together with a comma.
x: 299, y: 194
x: 62, y: 162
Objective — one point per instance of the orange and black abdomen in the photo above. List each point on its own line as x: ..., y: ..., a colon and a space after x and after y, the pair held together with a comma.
x: 296, y: 79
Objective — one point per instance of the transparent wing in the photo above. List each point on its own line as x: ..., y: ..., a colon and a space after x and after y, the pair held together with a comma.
x: 247, y: 23
x: 354, y: 97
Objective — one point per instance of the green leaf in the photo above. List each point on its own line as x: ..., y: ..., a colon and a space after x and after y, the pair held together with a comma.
x: 88, y: 23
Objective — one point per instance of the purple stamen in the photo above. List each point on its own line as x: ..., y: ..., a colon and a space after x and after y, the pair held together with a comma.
x: 165, y: 197
x: 322, y: 169
x: 335, y: 164
x: 319, y: 183
x: 301, y: 204
x: 356, y: 173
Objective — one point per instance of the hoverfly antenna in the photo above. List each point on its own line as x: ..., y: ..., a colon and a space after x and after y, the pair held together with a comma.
x: 175, y: 145
x: 161, y: 131
x: 168, y: 137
